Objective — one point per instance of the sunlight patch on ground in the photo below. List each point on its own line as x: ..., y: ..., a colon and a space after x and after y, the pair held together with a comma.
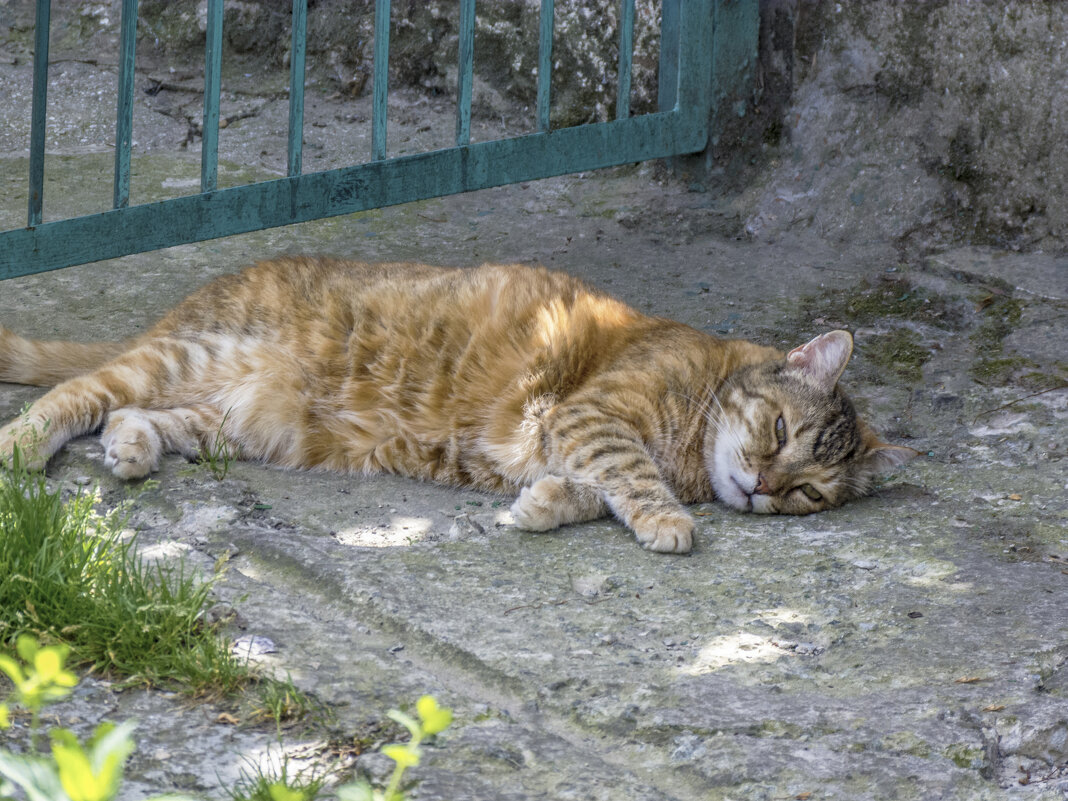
x: 400, y: 531
x: 935, y: 574
x: 165, y: 551
x: 732, y: 649
x: 744, y: 648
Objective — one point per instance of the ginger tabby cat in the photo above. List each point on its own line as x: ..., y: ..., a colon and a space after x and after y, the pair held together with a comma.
x: 503, y: 378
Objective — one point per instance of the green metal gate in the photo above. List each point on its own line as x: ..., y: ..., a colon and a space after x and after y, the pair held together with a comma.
x: 690, y: 37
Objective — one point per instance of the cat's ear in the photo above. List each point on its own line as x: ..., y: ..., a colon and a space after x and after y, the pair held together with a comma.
x: 882, y: 457
x: 824, y: 358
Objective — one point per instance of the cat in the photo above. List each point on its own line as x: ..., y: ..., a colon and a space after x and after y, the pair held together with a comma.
x: 504, y: 378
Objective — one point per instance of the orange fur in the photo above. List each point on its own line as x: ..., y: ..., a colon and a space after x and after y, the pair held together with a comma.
x: 502, y: 377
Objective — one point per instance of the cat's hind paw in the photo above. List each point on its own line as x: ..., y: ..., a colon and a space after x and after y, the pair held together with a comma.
x: 132, y: 445
x: 669, y: 532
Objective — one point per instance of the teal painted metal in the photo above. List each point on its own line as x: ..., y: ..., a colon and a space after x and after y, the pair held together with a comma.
x: 380, y: 86
x: 733, y: 55
x: 670, y: 38
x: 681, y: 126
x: 40, y: 107
x: 465, y: 72
x: 124, y: 114
x: 372, y: 185
x: 626, y: 53
x: 209, y: 126
x: 297, y: 55
x: 545, y: 66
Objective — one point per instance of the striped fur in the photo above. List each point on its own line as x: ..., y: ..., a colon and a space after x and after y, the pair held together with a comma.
x: 504, y: 378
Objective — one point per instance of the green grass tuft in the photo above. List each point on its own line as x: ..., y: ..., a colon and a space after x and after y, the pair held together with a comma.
x: 67, y: 575
x: 220, y: 456
x: 271, y: 784
x: 283, y: 703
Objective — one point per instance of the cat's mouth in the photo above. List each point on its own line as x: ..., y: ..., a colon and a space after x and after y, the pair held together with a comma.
x: 747, y: 495
x: 733, y: 493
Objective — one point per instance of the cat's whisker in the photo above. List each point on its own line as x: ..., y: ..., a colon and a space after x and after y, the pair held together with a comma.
x: 720, y: 422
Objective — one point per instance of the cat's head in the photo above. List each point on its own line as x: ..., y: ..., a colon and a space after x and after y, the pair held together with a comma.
x: 784, y: 438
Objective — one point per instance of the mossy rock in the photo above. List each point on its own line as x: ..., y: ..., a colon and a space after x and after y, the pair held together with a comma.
x: 900, y: 353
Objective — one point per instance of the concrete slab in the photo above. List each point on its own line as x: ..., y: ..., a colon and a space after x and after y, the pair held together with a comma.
x: 897, y: 647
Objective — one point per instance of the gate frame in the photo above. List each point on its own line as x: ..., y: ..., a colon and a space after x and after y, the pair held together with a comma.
x: 690, y: 43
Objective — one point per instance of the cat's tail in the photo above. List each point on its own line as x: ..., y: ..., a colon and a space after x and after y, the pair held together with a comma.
x: 47, y: 363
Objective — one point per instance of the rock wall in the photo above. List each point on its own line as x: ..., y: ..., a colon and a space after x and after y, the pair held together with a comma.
x: 925, y: 123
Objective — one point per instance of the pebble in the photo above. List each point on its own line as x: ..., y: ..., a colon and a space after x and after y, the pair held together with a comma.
x: 464, y: 525
x: 249, y: 645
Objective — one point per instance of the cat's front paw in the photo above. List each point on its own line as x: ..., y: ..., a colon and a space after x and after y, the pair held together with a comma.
x: 533, y: 509
x: 554, y: 501
x: 667, y: 532
x: 132, y: 446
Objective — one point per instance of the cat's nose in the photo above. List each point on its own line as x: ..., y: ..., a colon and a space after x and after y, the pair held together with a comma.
x: 761, y: 487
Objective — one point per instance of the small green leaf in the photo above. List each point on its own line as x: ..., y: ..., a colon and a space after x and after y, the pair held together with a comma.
x: 75, y: 773
x: 93, y: 774
x: 13, y: 671
x: 112, y: 745
x: 26, y: 646
x: 435, y: 718
x: 48, y: 662
x: 403, y: 755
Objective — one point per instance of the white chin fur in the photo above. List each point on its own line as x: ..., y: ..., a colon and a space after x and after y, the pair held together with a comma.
x: 724, y: 465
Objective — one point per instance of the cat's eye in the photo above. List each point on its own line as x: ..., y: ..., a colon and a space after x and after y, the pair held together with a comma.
x: 780, y: 431
x: 811, y: 492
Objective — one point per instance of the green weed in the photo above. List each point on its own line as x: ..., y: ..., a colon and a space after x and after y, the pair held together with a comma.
x: 75, y: 771
x: 220, y: 456
x: 68, y: 575
x: 71, y: 580
x: 282, y: 702
x: 432, y: 719
x: 257, y: 784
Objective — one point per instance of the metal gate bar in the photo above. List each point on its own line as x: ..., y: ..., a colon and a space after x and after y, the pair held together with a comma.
x: 380, y: 84
x: 124, y: 116
x: 626, y: 53
x: 687, y: 48
x: 40, y: 107
x: 209, y: 124
x: 466, y: 72
x: 545, y: 57
x: 297, y: 52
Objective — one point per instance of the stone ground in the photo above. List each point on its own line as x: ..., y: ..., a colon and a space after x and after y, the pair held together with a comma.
x: 911, y: 645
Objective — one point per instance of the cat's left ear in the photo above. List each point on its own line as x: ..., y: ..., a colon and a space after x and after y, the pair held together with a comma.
x: 882, y: 458
x: 824, y: 358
